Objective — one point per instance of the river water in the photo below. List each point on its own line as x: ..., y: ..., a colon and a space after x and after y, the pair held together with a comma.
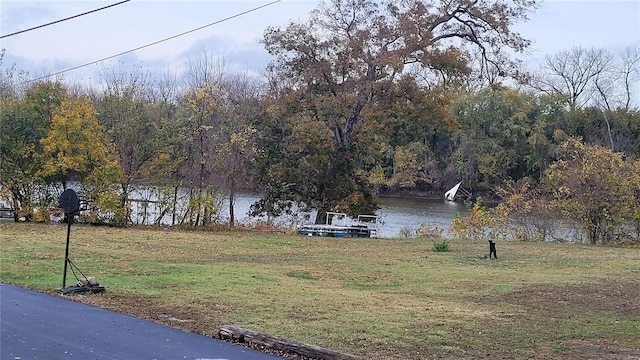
x: 396, y: 214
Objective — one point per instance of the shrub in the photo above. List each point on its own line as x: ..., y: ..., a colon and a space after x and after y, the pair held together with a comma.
x: 442, y: 246
x: 474, y: 225
x: 597, y: 187
x: 406, y: 232
x: 429, y: 231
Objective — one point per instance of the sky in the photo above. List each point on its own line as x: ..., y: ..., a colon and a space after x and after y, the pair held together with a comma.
x: 556, y: 25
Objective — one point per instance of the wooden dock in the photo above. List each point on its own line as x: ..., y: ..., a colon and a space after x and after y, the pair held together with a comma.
x: 365, y: 226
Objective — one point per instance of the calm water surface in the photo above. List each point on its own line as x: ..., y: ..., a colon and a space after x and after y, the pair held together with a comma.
x: 396, y: 214
x: 399, y: 214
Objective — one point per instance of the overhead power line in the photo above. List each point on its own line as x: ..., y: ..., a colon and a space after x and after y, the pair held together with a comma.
x: 61, y: 20
x: 155, y: 42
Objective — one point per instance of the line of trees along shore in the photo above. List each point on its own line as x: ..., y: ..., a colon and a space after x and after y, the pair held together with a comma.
x: 362, y: 99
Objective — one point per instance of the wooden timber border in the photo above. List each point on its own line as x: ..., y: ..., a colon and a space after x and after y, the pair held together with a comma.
x: 250, y: 337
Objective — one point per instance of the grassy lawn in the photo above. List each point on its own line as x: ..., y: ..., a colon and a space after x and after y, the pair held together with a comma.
x: 377, y: 298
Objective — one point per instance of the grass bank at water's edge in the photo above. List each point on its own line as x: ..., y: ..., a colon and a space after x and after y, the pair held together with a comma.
x: 378, y: 298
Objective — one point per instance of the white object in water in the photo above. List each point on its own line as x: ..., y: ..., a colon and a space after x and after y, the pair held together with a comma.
x: 451, y: 194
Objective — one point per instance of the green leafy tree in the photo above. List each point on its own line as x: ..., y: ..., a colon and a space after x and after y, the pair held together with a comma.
x: 407, y: 137
x: 288, y: 150
x: 200, y: 112
x: 494, y: 139
x: 595, y: 186
x: 236, y: 140
x: 408, y: 166
x: 546, y: 114
x: 24, y: 120
x: 625, y: 131
x: 526, y: 213
x: 476, y: 225
x: 338, y: 66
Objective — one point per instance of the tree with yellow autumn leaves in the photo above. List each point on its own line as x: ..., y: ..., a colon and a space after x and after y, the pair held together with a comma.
x: 75, y: 151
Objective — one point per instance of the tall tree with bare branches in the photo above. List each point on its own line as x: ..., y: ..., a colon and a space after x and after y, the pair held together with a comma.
x: 570, y: 74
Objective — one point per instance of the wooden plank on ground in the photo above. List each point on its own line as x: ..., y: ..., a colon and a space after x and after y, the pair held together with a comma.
x: 247, y: 336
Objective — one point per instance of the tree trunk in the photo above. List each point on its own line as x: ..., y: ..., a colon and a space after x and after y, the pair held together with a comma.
x: 321, y: 217
x: 232, y: 195
x: 174, y: 205
x: 606, y: 121
x: 323, y: 185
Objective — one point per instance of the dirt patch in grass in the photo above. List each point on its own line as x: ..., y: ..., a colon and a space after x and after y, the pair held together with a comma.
x: 617, y: 296
x: 198, y: 316
x: 589, y: 350
x: 581, y: 304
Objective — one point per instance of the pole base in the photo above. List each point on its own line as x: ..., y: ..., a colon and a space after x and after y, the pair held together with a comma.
x: 82, y: 289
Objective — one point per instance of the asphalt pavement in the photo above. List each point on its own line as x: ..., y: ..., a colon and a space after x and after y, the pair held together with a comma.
x: 40, y: 326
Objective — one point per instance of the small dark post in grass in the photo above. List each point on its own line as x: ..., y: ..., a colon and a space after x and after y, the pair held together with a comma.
x: 492, y: 250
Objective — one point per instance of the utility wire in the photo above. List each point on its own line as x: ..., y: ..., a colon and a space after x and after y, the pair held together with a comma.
x: 61, y: 20
x: 153, y: 43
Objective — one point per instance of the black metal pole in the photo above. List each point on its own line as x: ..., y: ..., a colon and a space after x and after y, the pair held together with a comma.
x: 66, y: 252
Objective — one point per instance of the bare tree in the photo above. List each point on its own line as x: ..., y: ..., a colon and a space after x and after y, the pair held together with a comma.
x: 235, y: 144
x: 133, y: 125
x: 613, y: 89
x: 205, y: 69
x: 631, y: 74
x: 165, y: 87
x: 217, y: 109
x: 570, y: 73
